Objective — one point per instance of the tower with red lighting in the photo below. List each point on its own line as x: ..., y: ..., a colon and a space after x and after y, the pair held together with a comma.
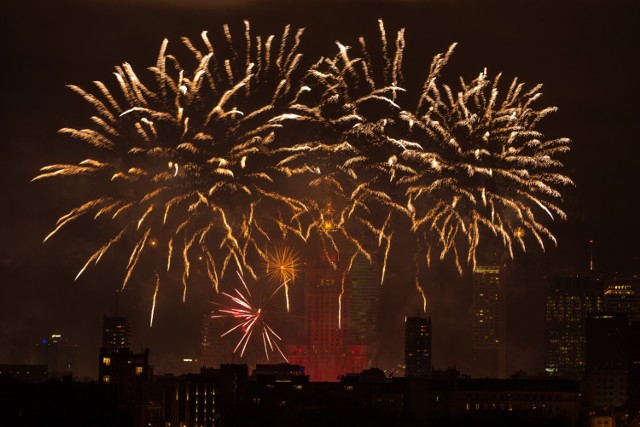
x: 325, y: 307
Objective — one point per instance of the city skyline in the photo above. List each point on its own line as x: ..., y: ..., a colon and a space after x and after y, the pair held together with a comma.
x: 66, y: 304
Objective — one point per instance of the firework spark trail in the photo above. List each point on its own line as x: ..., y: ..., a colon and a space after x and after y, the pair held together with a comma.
x: 249, y: 317
x: 155, y: 295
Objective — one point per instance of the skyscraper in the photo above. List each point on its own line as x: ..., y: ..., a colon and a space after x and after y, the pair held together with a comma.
x: 634, y: 370
x: 607, y: 341
x: 364, y: 300
x: 622, y: 295
x: 489, y: 323
x: 417, y: 346
x: 324, y: 309
x: 115, y: 333
x: 568, y: 301
x: 59, y: 356
x: 607, y: 360
x: 215, y: 350
x: 118, y: 365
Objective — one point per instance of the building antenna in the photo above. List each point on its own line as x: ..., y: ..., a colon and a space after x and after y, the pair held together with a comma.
x: 591, y: 242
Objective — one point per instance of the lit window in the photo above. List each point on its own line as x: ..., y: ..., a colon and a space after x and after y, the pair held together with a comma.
x: 106, y: 361
x: 106, y: 379
x: 138, y: 370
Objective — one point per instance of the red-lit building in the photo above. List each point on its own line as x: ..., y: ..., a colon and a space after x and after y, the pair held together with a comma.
x: 357, y: 358
x: 341, y: 313
x: 297, y: 354
x: 325, y: 309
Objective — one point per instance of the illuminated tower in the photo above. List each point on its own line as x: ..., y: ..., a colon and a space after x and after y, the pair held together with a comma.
x: 568, y: 301
x: 364, y: 300
x: 489, y: 323
x: 623, y: 296
x: 417, y: 346
x: 115, y: 334
x: 325, y: 331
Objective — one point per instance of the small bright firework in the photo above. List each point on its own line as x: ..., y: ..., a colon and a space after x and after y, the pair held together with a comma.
x: 251, y: 320
x: 282, y: 266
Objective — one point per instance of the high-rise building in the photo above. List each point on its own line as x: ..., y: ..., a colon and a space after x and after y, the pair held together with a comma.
x: 215, y: 349
x: 607, y: 341
x: 568, y: 301
x: 118, y: 365
x: 634, y: 371
x: 607, y: 360
x: 115, y: 333
x: 417, y: 346
x: 364, y: 300
x: 489, y: 323
x: 58, y: 354
x: 127, y: 370
x: 623, y: 296
x: 325, y: 306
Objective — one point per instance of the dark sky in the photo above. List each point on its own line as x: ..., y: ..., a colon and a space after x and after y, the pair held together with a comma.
x: 585, y: 53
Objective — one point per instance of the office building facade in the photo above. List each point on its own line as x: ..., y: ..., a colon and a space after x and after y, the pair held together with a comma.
x: 417, y: 346
x: 489, y: 323
x: 568, y: 301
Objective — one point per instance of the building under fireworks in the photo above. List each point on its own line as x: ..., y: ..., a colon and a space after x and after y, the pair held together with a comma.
x: 489, y: 323
x: 417, y: 346
x: 215, y: 350
x: 324, y: 309
x: 115, y: 333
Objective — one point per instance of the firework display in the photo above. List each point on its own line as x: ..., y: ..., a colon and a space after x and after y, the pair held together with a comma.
x: 486, y: 166
x: 282, y: 266
x: 252, y: 148
x: 190, y: 162
x: 249, y: 318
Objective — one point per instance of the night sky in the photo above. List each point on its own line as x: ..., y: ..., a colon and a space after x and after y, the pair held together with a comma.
x: 586, y: 54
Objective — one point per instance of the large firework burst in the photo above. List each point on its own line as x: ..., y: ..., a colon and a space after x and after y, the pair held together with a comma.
x: 356, y: 163
x: 189, y: 160
x: 484, y: 165
x: 460, y: 161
